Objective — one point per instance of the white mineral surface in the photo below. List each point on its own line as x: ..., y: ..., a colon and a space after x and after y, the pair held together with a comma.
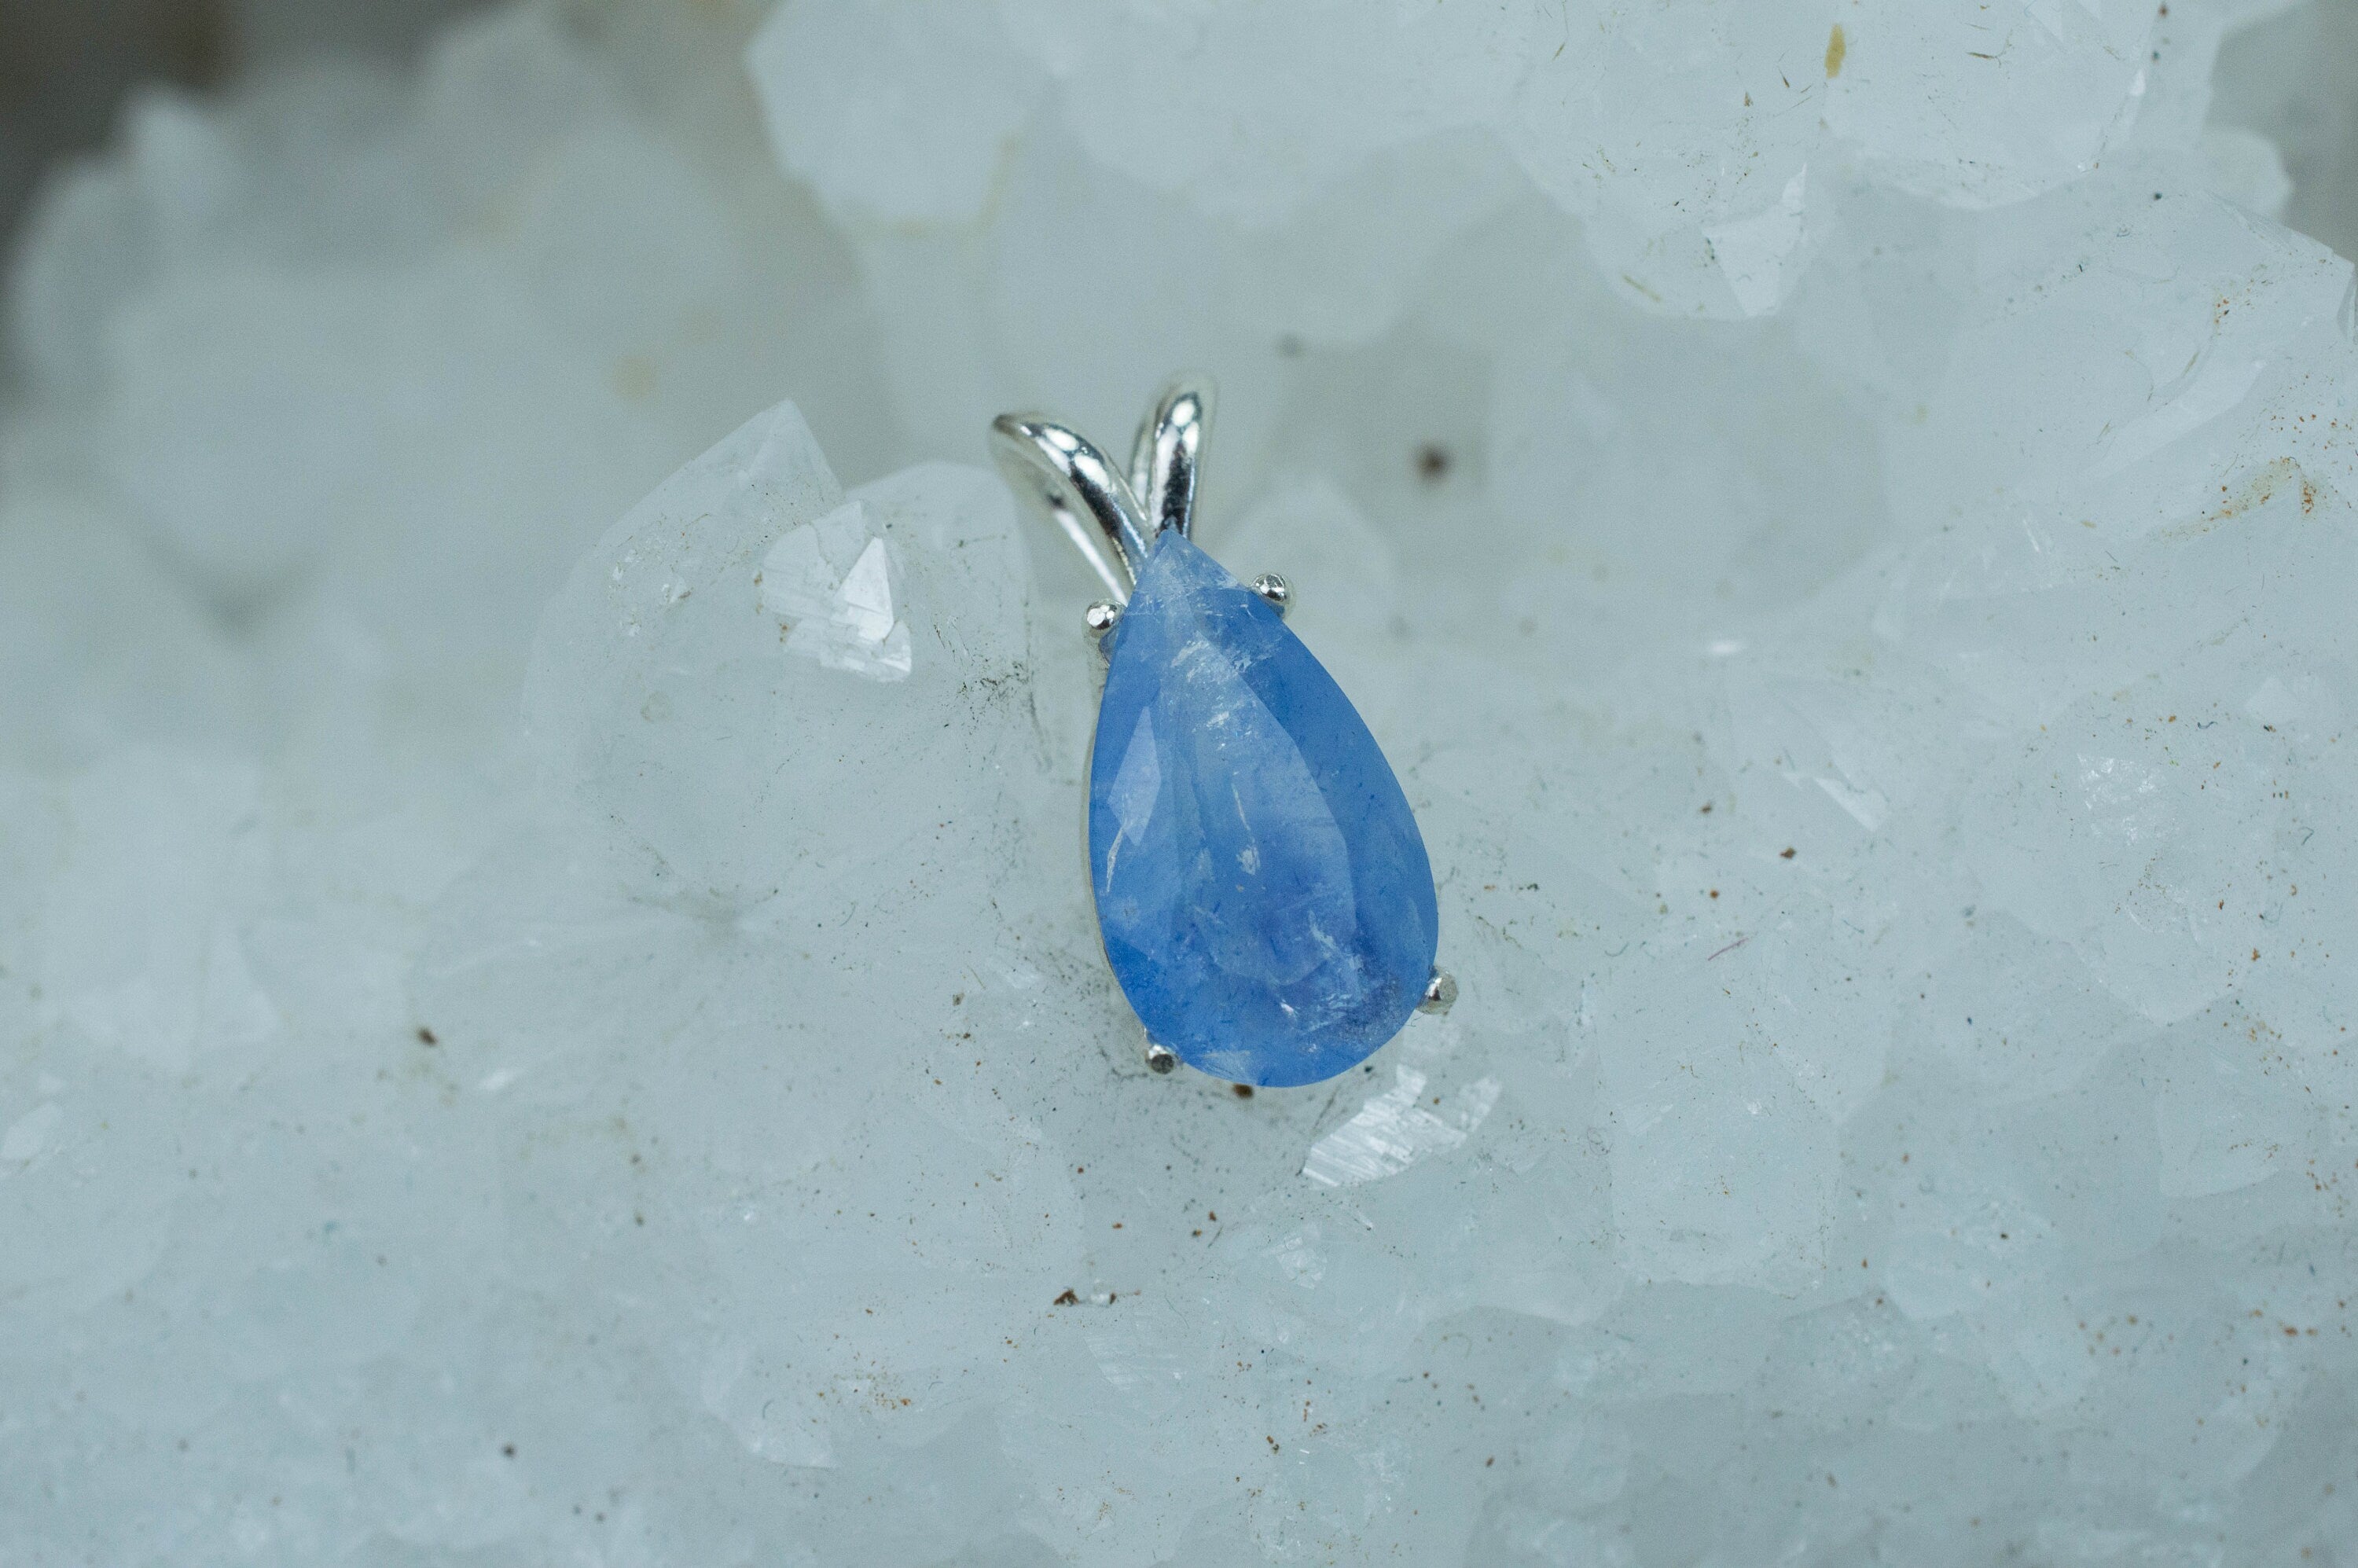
x: 549, y: 1013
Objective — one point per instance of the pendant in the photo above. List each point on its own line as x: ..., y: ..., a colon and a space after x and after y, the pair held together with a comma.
x: 1262, y: 891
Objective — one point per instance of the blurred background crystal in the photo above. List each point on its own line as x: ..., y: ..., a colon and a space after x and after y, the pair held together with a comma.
x: 548, y: 1009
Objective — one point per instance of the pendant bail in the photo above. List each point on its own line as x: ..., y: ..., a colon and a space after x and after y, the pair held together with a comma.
x: 1112, y: 519
x: 1168, y: 454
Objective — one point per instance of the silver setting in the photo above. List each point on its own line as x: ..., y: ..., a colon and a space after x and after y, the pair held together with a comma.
x: 1160, y: 1058
x: 1276, y: 589
x: 1100, y: 618
x: 1168, y: 453
x: 1072, y: 482
x: 1440, y: 992
x: 1099, y: 509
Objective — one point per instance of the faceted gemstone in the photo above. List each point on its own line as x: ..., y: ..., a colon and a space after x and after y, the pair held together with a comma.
x: 1261, y: 887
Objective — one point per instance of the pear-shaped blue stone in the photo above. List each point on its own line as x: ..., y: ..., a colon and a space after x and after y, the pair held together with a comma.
x: 1261, y: 887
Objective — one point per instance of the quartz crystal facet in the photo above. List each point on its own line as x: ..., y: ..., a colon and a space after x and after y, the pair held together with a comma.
x: 1261, y: 887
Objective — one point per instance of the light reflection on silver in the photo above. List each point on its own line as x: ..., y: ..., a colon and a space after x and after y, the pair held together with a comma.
x: 1099, y: 617
x: 1161, y: 1058
x: 1072, y: 482
x: 1169, y: 453
x: 1058, y: 469
x: 1276, y: 589
x: 1440, y: 991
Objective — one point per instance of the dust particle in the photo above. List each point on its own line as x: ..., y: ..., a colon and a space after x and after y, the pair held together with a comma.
x: 634, y: 377
x: 1836, y: 49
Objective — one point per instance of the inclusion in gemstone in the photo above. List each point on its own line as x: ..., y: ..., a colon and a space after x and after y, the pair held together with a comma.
x: 1261, y: 887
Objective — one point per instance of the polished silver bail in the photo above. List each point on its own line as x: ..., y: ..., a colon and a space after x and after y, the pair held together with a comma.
x: 1112, y: 519
x: 1168, y: 453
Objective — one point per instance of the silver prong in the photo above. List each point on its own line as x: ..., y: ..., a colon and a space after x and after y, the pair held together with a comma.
x: 1071, y: 481
x: 1276, y: 589
x: 1440, y: 992
x: 1160, y: 1058
x: 1099, y: 617
x: 1166, y: 459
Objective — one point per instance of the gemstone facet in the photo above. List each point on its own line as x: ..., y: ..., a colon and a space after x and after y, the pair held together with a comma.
x: 1261, y: 888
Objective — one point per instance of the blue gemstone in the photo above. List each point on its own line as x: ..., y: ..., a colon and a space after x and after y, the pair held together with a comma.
x: 1261, y: 887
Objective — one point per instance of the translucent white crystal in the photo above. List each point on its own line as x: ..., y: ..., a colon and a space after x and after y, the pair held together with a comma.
x: 845, y: 619
x: 549, y: 1013
x: 1392, y: 1130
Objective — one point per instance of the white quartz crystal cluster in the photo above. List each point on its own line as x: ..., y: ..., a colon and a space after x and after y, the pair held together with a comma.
x: 527, y: 1038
